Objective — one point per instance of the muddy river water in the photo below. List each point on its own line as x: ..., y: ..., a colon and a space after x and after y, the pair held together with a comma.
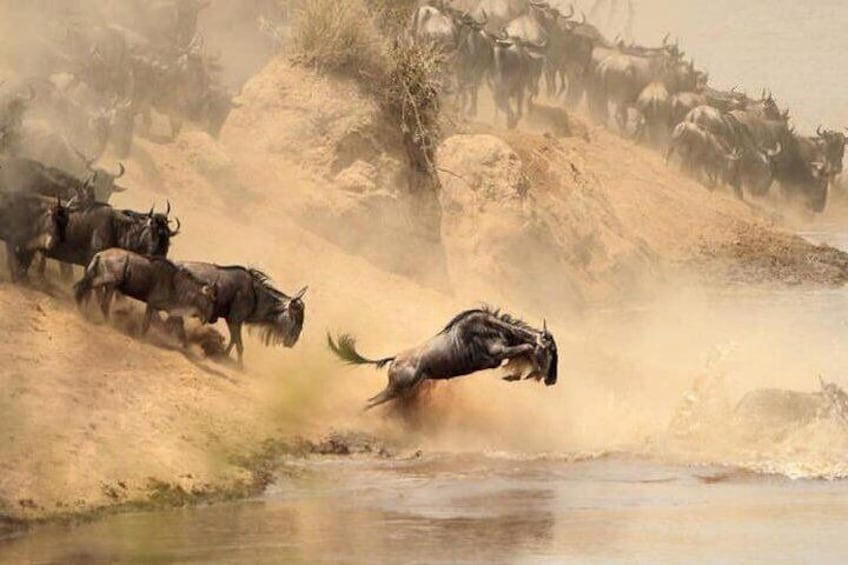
x: 496, y: 507
x: 480, y: 509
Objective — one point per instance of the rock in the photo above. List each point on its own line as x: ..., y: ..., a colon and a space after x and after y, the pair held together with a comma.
x: 490, y: 229
x: 360, y: 177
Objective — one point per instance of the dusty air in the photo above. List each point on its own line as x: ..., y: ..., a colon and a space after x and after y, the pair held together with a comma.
x: 478, y: 281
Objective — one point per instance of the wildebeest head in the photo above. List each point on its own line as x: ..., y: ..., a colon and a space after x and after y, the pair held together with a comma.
x: 545, y: 357
x: 832, y: 144
x: 101, y: 183
x: 159, y: 226
x: 51, y: 223
x: 286, y: 321
x: 151, y: 233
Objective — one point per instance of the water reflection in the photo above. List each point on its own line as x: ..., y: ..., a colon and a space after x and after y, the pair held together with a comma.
x: 475, y: 509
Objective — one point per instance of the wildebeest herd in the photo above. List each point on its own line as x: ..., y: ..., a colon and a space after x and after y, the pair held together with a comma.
x: 46, y: 211
x: 54, y: 203
x: 654, y: 93
x: 49, y: 212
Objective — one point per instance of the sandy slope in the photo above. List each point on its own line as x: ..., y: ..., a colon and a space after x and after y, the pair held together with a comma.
x: 304, y: 183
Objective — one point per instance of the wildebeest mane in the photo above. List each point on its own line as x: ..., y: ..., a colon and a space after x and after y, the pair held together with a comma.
x: 488, y: 310
x: 265, y: 281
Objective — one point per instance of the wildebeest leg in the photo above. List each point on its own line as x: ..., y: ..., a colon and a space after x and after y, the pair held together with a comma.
x: 500, y: 353
x: 235, y: 340
x: 403, y: 378
x: 148, y: 319
x: 12, y: 262
x: 106, y: 293
x: 42, y: 266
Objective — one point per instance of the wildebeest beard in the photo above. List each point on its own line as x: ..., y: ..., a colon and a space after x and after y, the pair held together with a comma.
x: 551, y: 377
x: 283, y: 326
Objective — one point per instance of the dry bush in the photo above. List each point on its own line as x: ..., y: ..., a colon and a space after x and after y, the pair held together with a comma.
x: 411, y: 94
x: 337, y: 36
x: 391, y: 16
x: 368, y: 40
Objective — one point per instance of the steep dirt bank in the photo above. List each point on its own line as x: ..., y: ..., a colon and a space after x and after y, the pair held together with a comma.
x: 304, y: 183
x: 91, y: 416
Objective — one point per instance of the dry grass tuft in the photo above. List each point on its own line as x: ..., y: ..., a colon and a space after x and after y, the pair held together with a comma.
x: 337, y: 36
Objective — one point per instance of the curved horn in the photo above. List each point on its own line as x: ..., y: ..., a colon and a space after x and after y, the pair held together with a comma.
x: 152, y: 210
x: 485, y: 19
x: 175, y: 232
x: 776, y: 151
x: 570, y: 12
x: 300, y: 293
x: 819, y: 131
x: 168, y: 209
x: 121, y: 170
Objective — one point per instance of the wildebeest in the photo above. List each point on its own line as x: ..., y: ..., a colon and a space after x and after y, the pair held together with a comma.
x: 431, y: 25
x: 246, y: 296
x: 475, y: 340
x: 625, y: 73
x: 517, y: 69
x: 20, y: 174
x: 96, y: 227
x: 156, y: 281
x: 474, y: 61
x: 704, y: 152
x: 654, y: 104
x: 29, y: 224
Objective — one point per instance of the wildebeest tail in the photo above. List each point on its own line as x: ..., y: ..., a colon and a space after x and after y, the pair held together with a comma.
x: 346, y: 350
x: 82, y: 288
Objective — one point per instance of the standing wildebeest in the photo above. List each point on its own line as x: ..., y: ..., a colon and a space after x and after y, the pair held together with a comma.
x: 431, y: 25
x: 29, y: 224
x: 474, y: 340
x: 474, y: 61
x: 704, y: 152
x: 518, y: 66
x: 24, y: 175
x: 157, y: 282
x: 246, y: 296
x: 96, y: 227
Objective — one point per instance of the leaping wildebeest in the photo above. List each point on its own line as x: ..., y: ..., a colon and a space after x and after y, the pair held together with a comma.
x: 246, y: 296
x: 475, y: 340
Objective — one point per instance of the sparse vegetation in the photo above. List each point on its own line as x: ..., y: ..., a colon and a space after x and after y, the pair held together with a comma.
x: 337, y: 37
x: 366, y: 40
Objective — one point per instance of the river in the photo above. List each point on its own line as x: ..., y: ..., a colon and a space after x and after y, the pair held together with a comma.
x: 479, y: 509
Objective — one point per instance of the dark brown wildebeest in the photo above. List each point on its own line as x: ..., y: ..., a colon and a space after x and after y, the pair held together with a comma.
x: 707, y: 153
x: 96, y: 227
x: 474, y: 340
x: 30, y: 224
x: 246, y: 296
x: 159, y: 283
x: 19, y: 174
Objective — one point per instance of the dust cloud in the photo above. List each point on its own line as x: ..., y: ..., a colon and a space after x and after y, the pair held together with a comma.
x: 305, y: 182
